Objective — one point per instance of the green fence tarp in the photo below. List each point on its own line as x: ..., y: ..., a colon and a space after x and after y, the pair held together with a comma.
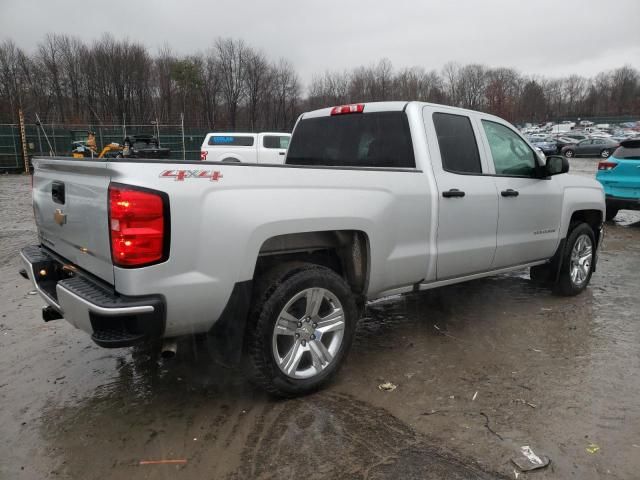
x: 61, y: 138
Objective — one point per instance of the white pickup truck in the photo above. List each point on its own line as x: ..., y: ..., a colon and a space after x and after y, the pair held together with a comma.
x: 245, y: 147
x: 277, y: 262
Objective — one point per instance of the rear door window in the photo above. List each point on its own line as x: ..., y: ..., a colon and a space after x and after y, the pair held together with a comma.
x: 379, y: 139
x: 231, y: 141
x: 275, y: 141
x: 458, y: 146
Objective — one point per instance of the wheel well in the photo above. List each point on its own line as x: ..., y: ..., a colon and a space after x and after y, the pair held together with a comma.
x: 591, y: 217
x: 344, y: 251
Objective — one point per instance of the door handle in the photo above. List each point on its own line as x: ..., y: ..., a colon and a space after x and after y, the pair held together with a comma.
x: 510, y: 192
x: 454, y: 192
x: 281, y: 153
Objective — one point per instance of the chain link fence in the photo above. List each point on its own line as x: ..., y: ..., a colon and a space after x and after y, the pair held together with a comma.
x: 57, y: 139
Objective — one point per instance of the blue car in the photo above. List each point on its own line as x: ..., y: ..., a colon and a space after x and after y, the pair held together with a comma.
x: 620, y: 176
x: 548, y: 145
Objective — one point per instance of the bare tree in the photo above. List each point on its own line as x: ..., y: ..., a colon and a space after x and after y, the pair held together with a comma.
x: 471, y: 86
x: 285, y: 94
x: 502, y: 91
x: 49, y: 56
x: 71, y: 52
x: 232, y: 57
x: 532, y: 101
x: 256, y: 82
x: 384, y: 80
x: 574, y: 91
x: 625, y: 90
x: 451, y: 74
x: 11, y: 86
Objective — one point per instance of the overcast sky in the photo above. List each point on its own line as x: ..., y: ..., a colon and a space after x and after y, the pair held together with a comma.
x: 543, y: 37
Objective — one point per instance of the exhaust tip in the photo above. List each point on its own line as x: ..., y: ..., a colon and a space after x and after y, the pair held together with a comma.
x: 49, y: 313
x: 169, y: 349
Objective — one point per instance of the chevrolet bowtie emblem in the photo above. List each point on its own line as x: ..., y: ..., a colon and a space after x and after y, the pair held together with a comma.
x: 60, y: 217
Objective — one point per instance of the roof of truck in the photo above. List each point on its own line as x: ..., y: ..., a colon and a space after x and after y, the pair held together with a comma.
x: 395, y: 106
x: 247, y: 134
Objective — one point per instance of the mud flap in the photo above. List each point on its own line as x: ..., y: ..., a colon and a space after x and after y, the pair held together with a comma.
x: 226, y: 337
x: 556, y: 260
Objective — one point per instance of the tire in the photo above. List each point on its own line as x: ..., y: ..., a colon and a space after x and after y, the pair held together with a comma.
x: 605, y: 153
x: 569, y: 153
x: 611, y: 213
x: 571, y: 281
x: 295, y: 356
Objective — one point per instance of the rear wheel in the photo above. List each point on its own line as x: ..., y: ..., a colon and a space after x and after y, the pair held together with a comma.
x: 569, y: 153
x: 605, y: 153
x: 577, y: 261
x: 301, y: 328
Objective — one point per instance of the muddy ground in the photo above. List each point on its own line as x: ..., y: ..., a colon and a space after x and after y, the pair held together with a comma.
x: 558, y: 374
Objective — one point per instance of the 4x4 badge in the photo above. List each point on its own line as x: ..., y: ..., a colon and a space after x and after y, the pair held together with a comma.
x: 59, y: 217
x: 180, y: 175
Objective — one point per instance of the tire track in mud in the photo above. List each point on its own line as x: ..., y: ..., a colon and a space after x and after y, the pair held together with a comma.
x: 331, y: 435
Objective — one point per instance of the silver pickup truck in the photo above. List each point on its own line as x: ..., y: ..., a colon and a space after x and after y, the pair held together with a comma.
x: 277, y: 262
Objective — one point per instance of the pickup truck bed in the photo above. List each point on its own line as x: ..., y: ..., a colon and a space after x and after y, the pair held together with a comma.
x: 279, y: 260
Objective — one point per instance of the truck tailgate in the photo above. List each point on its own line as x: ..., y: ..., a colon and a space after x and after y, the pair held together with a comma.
x: 70, y: 203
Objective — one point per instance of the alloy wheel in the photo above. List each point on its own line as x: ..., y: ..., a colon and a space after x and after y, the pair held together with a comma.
x: 581, y: 259
x: 308, y: 333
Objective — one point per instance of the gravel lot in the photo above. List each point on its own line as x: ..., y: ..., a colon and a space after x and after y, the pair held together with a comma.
x: 561, y: 375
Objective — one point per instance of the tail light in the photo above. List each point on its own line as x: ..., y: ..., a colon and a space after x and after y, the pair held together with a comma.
x: 138, y: 221
x: 353, y: 108
x: 606, y: 166
x: 203, y: 155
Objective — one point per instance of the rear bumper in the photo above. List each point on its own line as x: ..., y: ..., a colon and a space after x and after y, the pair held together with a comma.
x: 112, y: 320
x: 623, y: 203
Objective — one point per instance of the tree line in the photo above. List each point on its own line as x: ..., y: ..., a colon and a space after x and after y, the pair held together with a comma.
x: 235, y: 86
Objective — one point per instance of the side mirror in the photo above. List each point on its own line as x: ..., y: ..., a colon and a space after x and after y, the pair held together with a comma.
x: 556, y: 164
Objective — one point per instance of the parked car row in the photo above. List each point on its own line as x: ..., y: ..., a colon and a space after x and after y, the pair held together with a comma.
x: 591, y: 147
x: 573, y: 145
x: 582, y: 139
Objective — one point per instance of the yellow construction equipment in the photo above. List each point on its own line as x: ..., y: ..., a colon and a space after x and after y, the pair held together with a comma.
x: 89, y: 149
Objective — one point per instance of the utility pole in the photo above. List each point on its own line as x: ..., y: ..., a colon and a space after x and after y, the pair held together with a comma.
x: 184, y: 153
x: 23, y: 138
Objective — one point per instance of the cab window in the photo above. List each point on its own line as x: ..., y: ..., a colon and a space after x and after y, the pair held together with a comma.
x: 457, y: 142
x: 273, y: 141
x: 511, y: 154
